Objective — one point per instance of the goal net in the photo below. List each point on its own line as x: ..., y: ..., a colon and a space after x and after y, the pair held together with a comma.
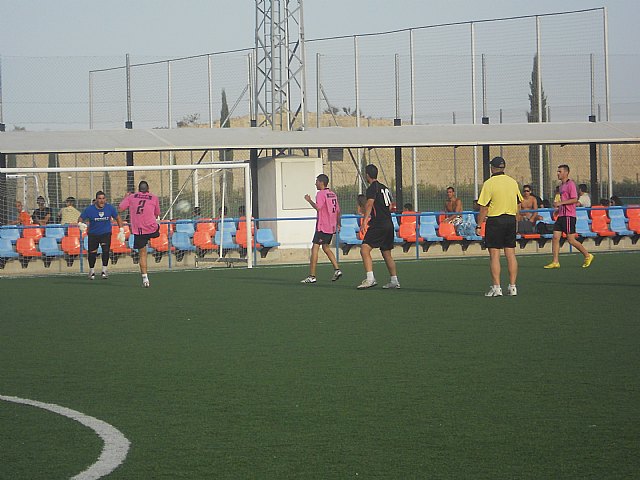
x: 202, y: 203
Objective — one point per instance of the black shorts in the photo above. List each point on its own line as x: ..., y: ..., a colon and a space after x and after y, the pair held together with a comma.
x: 379, y: 236
x: 140, y: 241
x: 321, y: 238
x: 500, y: 232
x: 565, y: 225
x: 95, y: 241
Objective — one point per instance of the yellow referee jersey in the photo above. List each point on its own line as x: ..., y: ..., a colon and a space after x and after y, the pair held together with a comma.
x: 501, y: 194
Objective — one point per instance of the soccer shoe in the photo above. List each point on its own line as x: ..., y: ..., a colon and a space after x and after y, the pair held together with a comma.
x: 367, y: 284
x: 512, y: 290
x: 494, y: 292
x: 104, y: 275
x: 336, y: 275
x: 392, y: 285
x: 553, y: 265
x: 92, y: 276
x: 309, y: 279
x: 587, y: 261
x: 145, y: 283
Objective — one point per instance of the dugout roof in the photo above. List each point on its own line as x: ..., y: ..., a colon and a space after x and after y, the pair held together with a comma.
x: 92, y: 141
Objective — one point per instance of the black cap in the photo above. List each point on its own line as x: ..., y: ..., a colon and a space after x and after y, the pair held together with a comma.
x: 497, y: 162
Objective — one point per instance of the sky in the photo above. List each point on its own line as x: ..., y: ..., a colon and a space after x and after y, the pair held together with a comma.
x: 37, y: 28
x: 67, y: 38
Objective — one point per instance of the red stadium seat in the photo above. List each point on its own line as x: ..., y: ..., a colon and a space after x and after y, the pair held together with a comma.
x: 71, y: 245
x: 206, y: 225
x: 203, y: 243
x: 32, y: 232
x: 407, y: 232
x: 409, y: 218
x: 26, y: 248
x: 448, y: 232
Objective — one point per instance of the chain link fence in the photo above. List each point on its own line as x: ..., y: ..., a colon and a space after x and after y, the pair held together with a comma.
x: 454, y: 73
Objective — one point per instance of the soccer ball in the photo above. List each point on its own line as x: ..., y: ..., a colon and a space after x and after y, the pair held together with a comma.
x: 183, y: 207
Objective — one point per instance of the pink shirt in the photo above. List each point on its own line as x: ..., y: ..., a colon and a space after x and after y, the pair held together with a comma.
x: 568, y: 191
x: 328, y: 210
x: 143, y: 210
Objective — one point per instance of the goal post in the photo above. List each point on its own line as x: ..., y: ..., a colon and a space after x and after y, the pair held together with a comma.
x: 217, y: 190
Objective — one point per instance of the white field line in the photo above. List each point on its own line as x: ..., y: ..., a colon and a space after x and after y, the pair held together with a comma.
x: 116, y: 445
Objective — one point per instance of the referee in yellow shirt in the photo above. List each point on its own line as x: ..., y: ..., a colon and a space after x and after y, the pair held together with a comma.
x: 499, y: 201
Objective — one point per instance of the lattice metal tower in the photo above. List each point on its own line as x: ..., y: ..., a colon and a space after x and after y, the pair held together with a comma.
x: 279, y: 65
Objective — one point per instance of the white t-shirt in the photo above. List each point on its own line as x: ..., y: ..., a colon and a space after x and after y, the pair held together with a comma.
x: 585, y: 200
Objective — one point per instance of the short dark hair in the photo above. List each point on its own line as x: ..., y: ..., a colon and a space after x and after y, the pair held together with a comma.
x: 372, y: 171
x: 408, y: 206
x: 143, y: 186
x: 323, y: 178
x: 71, y: 200
x: 451, y: 188
x: 583, y: 187
x: 361, y: 199
x: 100, y: 192
x: 524, y: 187
x: 565, y: 166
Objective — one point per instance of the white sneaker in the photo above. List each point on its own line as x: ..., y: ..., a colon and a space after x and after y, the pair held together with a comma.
x: 367, y: 284
x: 92, y: 276
x: 392, y: 285
x: 336, y: 275
x: 104, y: 275
x: 512, y: 290
x: 494, y: 291
x: 145, y: 283
x: 309, y: 279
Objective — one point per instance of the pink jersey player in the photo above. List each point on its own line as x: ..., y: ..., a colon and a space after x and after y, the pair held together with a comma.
x: 144, y: 208
x: 328, y: 209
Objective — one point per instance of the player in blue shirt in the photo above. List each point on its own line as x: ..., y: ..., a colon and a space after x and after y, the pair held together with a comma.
x: 98, y: 227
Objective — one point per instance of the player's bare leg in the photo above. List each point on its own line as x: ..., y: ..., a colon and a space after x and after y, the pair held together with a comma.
x: 512, y: 265
x: 391, y: 266
x: 555, y: 249
x: 367, y: 261
x: 143, y: 266
x: 494, y: 264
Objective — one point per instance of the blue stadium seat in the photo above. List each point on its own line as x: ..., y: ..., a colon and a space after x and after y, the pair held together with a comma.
x: 582, y: 228
x: 619, y: 225
x: 266, y: 240
x: 349, y: 223
x: 582, y: 213
x: 185, y: 226
x: 428, y: 234
x: 429, y: 218
x: 10, y: 232
x: 182, y: 243
x: 347, y: 238
x: 396, y: 225
x: 54, y: 231
x: 225, y: 242
x: 229, y: 225
x: 6, y: 251
x: 50, y: 249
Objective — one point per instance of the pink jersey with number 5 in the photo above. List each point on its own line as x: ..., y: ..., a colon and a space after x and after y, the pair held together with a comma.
x: 328, y: 210
x: 144, y: 208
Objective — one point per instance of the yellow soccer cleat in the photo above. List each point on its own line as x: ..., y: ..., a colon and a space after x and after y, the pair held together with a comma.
x: 587, y: 261
x: 553, y: 265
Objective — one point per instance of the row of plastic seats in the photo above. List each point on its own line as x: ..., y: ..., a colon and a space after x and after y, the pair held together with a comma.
x: 202, y: 242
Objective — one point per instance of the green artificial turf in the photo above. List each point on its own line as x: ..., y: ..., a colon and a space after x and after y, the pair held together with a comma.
x: 236, y: 373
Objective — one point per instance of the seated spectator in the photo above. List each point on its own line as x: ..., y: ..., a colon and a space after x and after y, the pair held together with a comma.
x: 452, y: 204
x: 197, y: 215
x: 616, y: 201
x: 410, y: 217
x: 42, y: 214
x: 527, y: 219
x: 17, y: 215
x: 605, y: 202
x: 69, y: 214
x: 584, y: 200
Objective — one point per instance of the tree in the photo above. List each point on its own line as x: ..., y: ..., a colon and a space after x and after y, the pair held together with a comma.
x: 189, y: 120
x: 532, y: 117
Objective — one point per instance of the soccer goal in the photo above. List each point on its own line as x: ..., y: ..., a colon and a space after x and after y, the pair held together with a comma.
x: 194, y: 197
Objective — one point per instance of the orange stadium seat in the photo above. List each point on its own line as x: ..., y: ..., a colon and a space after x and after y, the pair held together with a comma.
x: 32, y: 232
x: 203, y: 243
x: 26, y: 248
x: 448, y: 232
x: 408, y: 232
x: 206, y: 225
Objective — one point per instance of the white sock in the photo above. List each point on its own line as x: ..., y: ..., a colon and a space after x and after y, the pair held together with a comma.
x: 92, y: 271
x: 145, y: 277
x: 104, y: 269
x: 370, y: 277
x: 512, y: 285
x: 394, y: 279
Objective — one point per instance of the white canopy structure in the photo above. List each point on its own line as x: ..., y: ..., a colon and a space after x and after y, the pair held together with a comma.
x: 88, y: 141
